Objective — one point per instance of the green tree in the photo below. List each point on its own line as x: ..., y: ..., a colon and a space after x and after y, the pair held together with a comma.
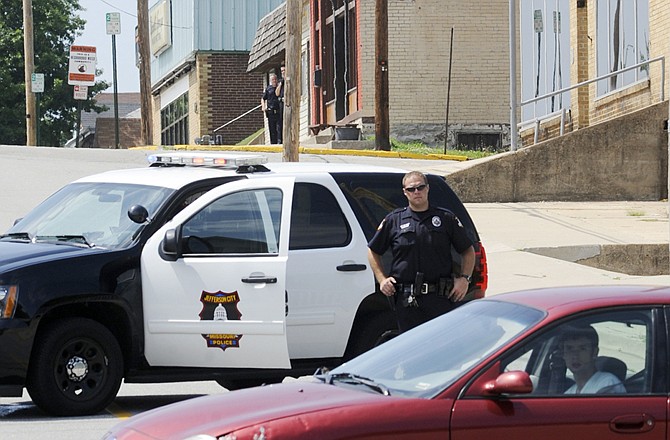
x: 56, y: 24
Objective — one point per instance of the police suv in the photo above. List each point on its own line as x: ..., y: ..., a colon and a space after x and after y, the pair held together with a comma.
x: 201, y: 266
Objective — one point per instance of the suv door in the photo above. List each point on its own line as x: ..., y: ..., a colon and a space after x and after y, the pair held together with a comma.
x: 214, y: 280
x: 328, y: 272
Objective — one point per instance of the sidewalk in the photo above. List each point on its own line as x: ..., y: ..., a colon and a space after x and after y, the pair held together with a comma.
x: 507, y: 229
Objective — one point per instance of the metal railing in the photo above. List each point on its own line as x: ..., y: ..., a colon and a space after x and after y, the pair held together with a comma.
x: 237, y: 118
x: 537, y: 121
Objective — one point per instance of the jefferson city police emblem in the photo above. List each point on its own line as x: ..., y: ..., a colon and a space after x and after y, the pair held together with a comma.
x: 220, y: 306
x: 437, y: 221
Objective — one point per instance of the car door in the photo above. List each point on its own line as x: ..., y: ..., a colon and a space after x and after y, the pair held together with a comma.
x: 214, y: 279
x: 328, y: 272
x: 634, y: 407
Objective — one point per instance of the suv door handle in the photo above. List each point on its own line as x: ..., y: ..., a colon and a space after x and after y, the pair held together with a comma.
x: 351, y: 267
x: 260, y: 280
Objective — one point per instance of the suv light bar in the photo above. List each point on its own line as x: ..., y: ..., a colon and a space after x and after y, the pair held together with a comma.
x: 219, y: 160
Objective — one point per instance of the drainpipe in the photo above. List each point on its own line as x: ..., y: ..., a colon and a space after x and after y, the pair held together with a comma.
x: 512, y: 74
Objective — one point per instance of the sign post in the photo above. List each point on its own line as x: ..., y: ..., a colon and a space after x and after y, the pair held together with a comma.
x: 37, y: 86
x: 113, y: 25
x: 80, y: 94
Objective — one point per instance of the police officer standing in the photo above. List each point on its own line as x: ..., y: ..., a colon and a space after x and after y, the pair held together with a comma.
x: 271, y: 107
x: 420, y: 237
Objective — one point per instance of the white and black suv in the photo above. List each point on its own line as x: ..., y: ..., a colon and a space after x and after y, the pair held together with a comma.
x: 201, y: 266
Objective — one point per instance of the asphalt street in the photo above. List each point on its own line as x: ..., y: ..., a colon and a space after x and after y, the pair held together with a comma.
x: 508, y: 231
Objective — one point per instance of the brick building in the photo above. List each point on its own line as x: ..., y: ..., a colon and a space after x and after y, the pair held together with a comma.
x: 198, y: 71
x: 600, y: 37
x: 98, y: 130
x: 338, y: 67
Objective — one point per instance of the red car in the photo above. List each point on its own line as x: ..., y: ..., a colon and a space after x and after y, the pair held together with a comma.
x: 559, y: 363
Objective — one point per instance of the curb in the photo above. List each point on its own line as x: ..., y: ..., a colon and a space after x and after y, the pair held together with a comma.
x: 305, y: 150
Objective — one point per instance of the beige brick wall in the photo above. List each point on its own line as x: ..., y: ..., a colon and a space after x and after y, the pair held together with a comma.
x: 419, y: 40
x: 659, y: 35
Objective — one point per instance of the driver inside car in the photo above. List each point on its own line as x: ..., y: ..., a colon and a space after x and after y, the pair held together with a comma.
x: 580, y: 350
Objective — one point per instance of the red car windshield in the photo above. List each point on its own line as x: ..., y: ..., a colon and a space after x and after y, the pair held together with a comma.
x: 427, y: 359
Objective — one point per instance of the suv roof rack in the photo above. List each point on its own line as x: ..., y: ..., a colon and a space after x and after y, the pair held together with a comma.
x: 244, y: 163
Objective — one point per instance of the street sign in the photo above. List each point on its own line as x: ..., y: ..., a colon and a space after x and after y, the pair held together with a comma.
x: 81, y: 70
x: 537, y: 21
x: 37, y: 82
x: 113, y: 21
x: 81, y: 93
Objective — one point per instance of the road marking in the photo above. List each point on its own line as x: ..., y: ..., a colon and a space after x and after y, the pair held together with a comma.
x: 118, y: 412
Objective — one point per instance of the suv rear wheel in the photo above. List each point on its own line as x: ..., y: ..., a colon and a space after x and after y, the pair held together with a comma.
x: 371, y: 332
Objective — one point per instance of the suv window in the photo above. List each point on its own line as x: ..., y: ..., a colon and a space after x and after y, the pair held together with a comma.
x: 372, y: 196
x: 316, y: 219
x: 246, y: 222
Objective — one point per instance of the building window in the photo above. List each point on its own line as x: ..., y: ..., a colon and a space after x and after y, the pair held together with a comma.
x: 174, y: 122
x: 545, y: 57
x: 622, y: 38
x: 340, y: 67
x: 479, y: 141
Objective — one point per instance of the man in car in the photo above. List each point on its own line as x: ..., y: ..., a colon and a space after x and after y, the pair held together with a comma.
x: 580, y: 350
x: 420, y: 237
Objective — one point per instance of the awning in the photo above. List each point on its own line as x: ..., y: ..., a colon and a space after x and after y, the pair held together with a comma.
x: 270, y: 40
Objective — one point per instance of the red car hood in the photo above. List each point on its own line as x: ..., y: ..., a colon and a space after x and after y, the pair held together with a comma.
x: 219, y: 414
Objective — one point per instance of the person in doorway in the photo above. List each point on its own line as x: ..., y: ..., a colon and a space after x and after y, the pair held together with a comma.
x: 279, y: 91
x: 420, y: 238
x: 580, y: 351
x: 271, y: 108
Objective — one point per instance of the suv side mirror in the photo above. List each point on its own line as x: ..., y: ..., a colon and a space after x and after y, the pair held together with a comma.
x: 138, y: 214
x: 170, y: 248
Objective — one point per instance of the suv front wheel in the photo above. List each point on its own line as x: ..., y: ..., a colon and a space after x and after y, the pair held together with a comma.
x: 76, y: 369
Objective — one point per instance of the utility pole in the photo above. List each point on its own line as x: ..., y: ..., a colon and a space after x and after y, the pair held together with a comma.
x: 29, y: 57
x: 291, y: 129
x: 382, y: 137
x: 145, y: 71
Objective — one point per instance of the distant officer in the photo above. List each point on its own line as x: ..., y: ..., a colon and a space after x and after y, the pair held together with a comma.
x: 272, y: 109
x: 420, y: 238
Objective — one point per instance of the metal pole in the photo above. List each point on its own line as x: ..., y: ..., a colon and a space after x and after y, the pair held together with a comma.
x: 76, y: 145
x: 116, y: 95
x: 512, y: 74
x: 37, y: 118
x: 446, y: 123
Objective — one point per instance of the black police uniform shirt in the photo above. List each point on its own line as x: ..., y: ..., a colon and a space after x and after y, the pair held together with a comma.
x: 420, y: 242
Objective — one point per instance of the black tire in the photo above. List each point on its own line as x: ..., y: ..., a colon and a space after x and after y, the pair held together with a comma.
x: 238, y: 384
x: 370, y: 333
x: 76, y: 368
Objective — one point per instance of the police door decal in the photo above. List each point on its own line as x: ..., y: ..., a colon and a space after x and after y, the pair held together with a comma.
x: 220, y: 306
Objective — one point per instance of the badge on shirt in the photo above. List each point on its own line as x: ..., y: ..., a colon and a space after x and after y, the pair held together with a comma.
x: 437, y: 221
x: 404, y: 226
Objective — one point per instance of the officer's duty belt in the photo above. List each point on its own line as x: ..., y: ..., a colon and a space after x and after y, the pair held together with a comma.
x: 425, y: 289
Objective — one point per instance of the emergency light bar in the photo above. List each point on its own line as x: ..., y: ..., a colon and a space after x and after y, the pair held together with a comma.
x: 221, y: 160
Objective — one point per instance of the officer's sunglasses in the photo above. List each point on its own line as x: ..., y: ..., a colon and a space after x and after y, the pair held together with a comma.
x: 416, y: 188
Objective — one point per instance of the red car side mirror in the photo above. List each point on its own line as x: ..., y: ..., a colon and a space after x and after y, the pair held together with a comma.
x: 510, y: 382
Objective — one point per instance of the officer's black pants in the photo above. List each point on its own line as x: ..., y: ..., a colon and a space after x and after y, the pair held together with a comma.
x: 275, y: 126
x: 430, y: 306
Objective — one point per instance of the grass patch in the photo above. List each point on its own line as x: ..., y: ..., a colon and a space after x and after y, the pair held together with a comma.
x: 636, y: 213
x: 250, y: 138
x: 421, y: 148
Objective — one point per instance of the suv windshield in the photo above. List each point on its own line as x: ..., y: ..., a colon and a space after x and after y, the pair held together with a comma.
x: 88, y: 214
x: 425, y: 361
